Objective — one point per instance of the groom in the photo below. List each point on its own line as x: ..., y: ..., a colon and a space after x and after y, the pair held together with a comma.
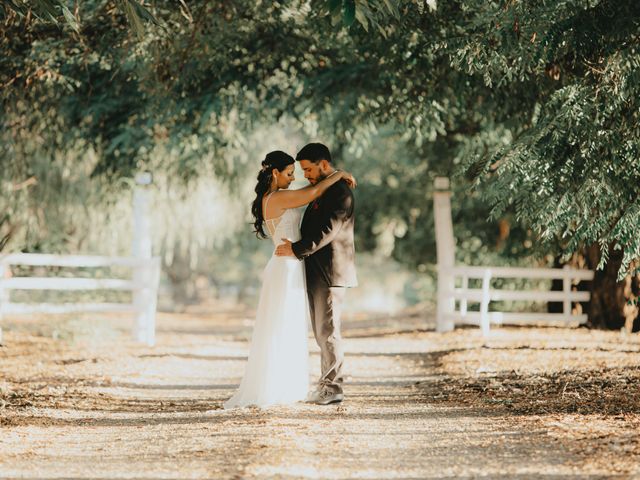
x: 327, y: 249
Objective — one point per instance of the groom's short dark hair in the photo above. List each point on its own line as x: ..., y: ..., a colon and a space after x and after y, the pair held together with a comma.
x: 314, y: 152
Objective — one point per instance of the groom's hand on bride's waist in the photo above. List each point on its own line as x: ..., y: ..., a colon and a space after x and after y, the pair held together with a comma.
x: 284, y: 249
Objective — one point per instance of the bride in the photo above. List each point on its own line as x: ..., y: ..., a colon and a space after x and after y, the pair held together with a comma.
x: 277, y: 369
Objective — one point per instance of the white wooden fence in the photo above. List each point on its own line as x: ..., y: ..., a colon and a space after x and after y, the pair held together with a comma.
x: 449, y: 274
x: 145, y: 277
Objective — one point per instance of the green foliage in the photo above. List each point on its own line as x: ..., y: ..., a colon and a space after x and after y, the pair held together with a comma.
x: 535, y: 104
x: 571, y: 169
x: 58, y: 12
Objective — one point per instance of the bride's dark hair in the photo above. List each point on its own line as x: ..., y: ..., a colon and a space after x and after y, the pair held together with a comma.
x: 276, y: 159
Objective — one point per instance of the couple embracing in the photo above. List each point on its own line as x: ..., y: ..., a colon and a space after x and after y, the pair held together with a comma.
x: 312, y: 266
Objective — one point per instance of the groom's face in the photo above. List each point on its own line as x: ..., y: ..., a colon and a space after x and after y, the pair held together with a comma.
x: 314, y: 172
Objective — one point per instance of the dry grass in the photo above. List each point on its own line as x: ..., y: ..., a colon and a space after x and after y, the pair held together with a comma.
x: 523, y: 403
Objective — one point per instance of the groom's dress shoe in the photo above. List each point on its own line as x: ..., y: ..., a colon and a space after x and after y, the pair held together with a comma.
x: 325, y: 396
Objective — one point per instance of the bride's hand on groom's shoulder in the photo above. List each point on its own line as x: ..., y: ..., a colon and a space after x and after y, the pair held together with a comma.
x: 350, y: 179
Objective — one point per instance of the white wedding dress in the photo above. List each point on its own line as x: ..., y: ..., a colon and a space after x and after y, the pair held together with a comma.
x: 277, y: 370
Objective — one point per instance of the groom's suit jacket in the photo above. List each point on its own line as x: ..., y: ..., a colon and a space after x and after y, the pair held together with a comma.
x: 327, y: 237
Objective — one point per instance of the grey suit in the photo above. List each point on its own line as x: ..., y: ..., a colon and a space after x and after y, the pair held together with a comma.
x: 328, y: 251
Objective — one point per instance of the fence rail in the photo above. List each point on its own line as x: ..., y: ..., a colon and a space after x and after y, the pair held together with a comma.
x: 520, y: 318
x: 520, y: 272
x: 51, y: 260
x: 449, y: 272
x: 485, y: 295
x: 477, y: 295
x: 143, y: 284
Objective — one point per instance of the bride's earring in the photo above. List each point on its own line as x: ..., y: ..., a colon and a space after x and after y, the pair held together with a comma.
x: 274, y: 182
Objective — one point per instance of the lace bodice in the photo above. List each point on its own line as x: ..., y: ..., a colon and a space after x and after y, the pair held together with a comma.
x: 286, y: 225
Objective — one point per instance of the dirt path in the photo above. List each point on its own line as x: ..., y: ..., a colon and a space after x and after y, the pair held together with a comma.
x: 524, y: 403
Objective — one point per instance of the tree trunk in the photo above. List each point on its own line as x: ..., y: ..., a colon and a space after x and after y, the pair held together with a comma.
x: 609, y: 307
x: 181, y: 278
x: 635, y: 289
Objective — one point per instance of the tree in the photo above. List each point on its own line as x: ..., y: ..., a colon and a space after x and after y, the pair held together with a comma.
x: 534, y: 104
x: 539, y: 105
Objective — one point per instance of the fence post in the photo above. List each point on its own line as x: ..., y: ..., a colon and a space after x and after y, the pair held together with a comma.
x: 4, y: 294
x: 153, y: 280
x: 566, y: 290
x: 484, y: 305
x: 445, y: 249
x: 463, y: 302
x: 141, y: 249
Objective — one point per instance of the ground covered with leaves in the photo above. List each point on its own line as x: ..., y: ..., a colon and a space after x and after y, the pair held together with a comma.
x: 78, y: 399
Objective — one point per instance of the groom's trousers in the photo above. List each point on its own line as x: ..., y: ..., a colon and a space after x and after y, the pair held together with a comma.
x: 325, y: 307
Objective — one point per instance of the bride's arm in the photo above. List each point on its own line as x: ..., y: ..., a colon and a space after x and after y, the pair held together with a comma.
x: 284, y: 199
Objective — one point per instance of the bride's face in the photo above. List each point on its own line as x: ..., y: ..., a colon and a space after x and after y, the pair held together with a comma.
x: 285, y: 177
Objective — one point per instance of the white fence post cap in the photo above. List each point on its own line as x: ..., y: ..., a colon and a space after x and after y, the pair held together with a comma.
x: 441, y: 183
x: 144, y: 178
